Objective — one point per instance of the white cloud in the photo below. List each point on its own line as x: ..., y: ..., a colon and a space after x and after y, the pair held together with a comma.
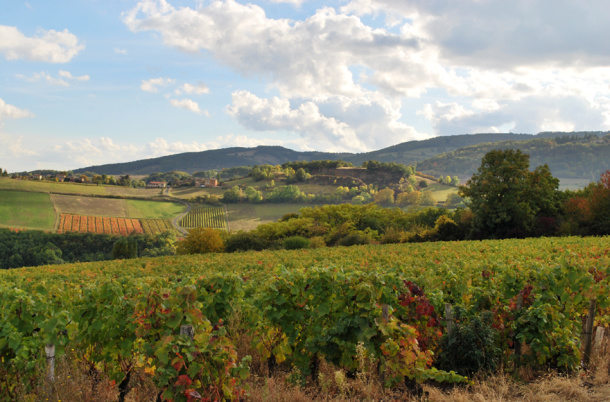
x: 332, y: 124
x: 61, y: 80
x: 198, y: 89
x: 187, y: 104
x: 12, y: 112
x: 120, y: 51
x: 49, y: 46
x: 152, y: 84
x: 69, y: 76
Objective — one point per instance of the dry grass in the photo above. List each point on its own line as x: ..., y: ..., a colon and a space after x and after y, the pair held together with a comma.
x: 74, y: 383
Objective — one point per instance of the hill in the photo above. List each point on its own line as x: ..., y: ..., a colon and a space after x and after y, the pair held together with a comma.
x: 569, y: 157
x: 579, y: 156
x: 218, y: 159
x: 407, y: 152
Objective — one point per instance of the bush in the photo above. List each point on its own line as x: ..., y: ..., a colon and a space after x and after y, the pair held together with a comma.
x: 244, y: 241
x: 200, y: 241
x: 471, y: 346
x: 296, y: 242
x: 317, y: 242
x: 354, y: 239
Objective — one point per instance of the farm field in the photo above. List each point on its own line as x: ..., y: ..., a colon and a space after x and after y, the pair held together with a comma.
x: 112, y: 225
x: 26, y: 210
x: 338, y: 291
x: 249, y: 216
x: 153, y: 209
x: 96, y: 206
x: 99, y: 225
x: 7, y: 183
x: 440, y: 192
x: 134, y: 192
x: 204, y: 216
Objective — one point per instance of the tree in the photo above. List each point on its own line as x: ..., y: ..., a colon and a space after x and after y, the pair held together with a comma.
x: 385, y: 197
x: 200, y: 241
x: 506, y: 198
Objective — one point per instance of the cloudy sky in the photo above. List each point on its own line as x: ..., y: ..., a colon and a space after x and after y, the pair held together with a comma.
x: 86, y: 82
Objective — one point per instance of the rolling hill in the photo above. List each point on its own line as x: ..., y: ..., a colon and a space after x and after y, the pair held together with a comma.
x: 576, y: 155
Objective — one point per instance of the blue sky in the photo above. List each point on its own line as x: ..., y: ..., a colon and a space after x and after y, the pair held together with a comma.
x: 91, y: 82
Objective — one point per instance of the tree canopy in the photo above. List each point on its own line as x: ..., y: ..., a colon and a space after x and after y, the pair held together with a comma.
x: 507, y: 198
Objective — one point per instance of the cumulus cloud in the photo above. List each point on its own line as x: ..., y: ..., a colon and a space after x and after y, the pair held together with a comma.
x: 12, y: 112
x: 63, y: 79
x: 153, y: 84
x: 197, y: 89
x: 339, y: 79
x: 187, y: 104
x: 49, y: 46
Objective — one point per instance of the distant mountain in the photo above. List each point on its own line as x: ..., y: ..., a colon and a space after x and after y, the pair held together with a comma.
x: 407, y: 152
x: 578, y: 155
x: 583, y: 156
x: 191, y: 162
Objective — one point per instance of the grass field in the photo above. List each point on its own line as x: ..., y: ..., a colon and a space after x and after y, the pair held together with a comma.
x: 26, y: 210
x: 7, y: 183
x: 249, y: 216
x: 94, y: 206
x: 153, y: 209
x: 440, y: 191
x: 133, y: 192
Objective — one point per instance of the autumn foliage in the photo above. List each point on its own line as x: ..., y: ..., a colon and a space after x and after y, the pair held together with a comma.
x: 200, y: 241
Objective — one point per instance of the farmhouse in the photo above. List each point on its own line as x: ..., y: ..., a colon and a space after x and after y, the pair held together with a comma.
x: 209, y: 183
x: 156, y: 184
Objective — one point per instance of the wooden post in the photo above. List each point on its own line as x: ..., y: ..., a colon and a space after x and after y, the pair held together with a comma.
x: 50, y: 352
x: 449, y: 317
x: 516, y: 342
x: 385, y: 312
x: 589, y: 332
x: 187, y: 330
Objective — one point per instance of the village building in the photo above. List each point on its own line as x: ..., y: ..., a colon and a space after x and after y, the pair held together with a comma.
x: 156, y: 184
x: 209, y: 183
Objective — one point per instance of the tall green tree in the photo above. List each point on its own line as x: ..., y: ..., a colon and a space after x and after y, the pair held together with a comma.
x: 509, y: 200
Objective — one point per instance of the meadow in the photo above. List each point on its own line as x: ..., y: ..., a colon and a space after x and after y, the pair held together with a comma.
x: 20, y: 209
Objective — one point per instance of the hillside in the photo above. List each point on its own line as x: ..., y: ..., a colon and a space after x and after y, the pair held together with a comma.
x: 190, y: 162
x: 569, y: 157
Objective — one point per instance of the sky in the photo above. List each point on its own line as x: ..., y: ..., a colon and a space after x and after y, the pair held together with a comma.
x: 88, y: 82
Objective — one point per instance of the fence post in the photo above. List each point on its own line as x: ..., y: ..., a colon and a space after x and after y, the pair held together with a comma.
x: 187, y: 330
x: 385, y: 312
x: 449, y: 317
x: 599, y: 337
x: 516, y: 342
x: 589, y: 332
x: 49, y: 351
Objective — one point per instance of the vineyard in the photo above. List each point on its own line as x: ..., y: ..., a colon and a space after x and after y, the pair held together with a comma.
x: 391, y: 303
x: 112, y: 226
x: 156, y: 226
x: 209, y: 217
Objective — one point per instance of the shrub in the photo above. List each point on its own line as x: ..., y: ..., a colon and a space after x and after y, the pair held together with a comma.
x: 244, y: 241
x: 317, y: 242
x: 471, y: 346
x: 201, y: 240
x: 354, y: 239
x: 296, y: 242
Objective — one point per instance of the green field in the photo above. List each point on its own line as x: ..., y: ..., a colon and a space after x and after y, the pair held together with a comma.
x: 440, y: 191
x: 7, y: 183
x: 27, y: 210
x: 153, y: 209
